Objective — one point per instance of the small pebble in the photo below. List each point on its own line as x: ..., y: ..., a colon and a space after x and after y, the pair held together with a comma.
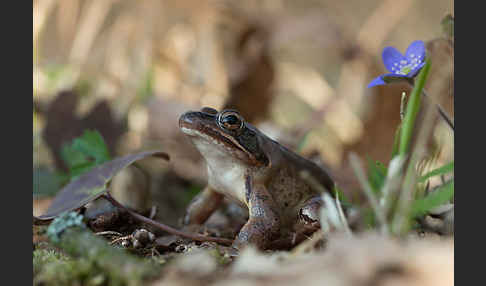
x: 125, y: 243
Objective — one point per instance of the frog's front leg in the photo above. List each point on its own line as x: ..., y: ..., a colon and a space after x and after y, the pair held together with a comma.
x: 202, y: 206
x: 264, y: 222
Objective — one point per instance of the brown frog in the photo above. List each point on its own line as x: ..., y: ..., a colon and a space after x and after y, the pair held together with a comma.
x: 257, y: 172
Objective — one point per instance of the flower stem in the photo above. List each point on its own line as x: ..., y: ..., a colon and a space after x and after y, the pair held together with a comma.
x: 412, y: 109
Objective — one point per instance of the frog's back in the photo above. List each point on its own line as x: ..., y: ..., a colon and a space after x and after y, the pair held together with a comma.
x: 288, y: 189
x: 300, y: 164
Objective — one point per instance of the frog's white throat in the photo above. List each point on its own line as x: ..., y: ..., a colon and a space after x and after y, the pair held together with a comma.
x: 226, y: 173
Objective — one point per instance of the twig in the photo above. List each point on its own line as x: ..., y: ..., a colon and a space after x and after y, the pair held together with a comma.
x: 167, y: 228
x: 121, y: 238
x: 402, y: 106
x: 441, y: 111
x: 109, y: 232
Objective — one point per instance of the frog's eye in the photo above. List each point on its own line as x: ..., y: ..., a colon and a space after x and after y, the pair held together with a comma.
x: 230, y: 120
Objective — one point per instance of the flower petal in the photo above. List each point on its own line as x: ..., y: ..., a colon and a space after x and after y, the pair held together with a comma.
x: 377, y: 81
x: 393, y: 77
x: 416, y: 50
x: 414, y: 71
x: 392, y: 58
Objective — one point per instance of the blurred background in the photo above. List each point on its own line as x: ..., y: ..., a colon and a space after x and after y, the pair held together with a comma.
x: 296, y: 69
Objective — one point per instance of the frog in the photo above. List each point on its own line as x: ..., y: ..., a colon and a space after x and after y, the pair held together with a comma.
x: 259, y: 174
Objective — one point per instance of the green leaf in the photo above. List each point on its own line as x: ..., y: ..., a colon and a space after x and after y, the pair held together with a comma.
x: 369, y: 218
x: 72, y: 157
x: 303, y: 142
x: 438, y: 197
x: 376, y: 175
x: 84, y: 153
x: 91, y: 144
x: 91, y: 185
x: 396, y: 141
x: 146, y: 89
x: 46, y: 182
x: 345, y: 202
x: 192, y: 192
x: 439, y: 171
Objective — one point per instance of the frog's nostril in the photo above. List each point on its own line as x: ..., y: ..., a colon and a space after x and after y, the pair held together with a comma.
x: 185, y: 119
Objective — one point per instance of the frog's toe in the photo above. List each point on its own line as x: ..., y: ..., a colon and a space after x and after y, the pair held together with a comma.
x: 309, y: 213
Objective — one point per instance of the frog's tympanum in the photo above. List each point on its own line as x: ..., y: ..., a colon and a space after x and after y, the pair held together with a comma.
x: 245, y: 165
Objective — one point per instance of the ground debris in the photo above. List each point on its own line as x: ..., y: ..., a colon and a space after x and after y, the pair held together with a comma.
x: 365, y: 260
x: 87, y: 258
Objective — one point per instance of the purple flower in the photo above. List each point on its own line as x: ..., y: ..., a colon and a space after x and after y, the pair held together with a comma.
x: 401, y: 67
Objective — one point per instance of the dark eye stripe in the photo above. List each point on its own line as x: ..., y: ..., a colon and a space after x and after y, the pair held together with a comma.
x: 209, y: 110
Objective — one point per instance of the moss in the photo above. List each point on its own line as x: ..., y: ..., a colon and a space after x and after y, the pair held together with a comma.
x: 63, y: 222
x: 222, y: 260
x: 54, y: 268
x: 42, y: 257
x: 94, y: 260
x: 88, y: 259
x: 120, y: 267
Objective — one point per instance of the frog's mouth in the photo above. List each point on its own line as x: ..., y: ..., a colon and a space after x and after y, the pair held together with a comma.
x: 201, y: 126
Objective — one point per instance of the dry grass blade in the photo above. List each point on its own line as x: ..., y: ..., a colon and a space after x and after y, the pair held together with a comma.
x: 92, y: 18
x: 392, y: 183
x: 343, y: 219
x: 42, y: 11
x: 332, y: 215
x: 360, y: 174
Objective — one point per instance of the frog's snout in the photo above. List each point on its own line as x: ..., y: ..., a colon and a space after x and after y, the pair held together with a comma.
x: 186, y: 120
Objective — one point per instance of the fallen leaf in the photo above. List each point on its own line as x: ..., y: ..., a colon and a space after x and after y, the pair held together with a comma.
x: 92, y: 184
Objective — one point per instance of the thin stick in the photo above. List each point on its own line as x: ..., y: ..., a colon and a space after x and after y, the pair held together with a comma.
x: 445, y: 116
x: 441, y: 111
x: 402, y: 106
x: 120, y: 239
x: 109, y: 232
x: 166, y: 228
